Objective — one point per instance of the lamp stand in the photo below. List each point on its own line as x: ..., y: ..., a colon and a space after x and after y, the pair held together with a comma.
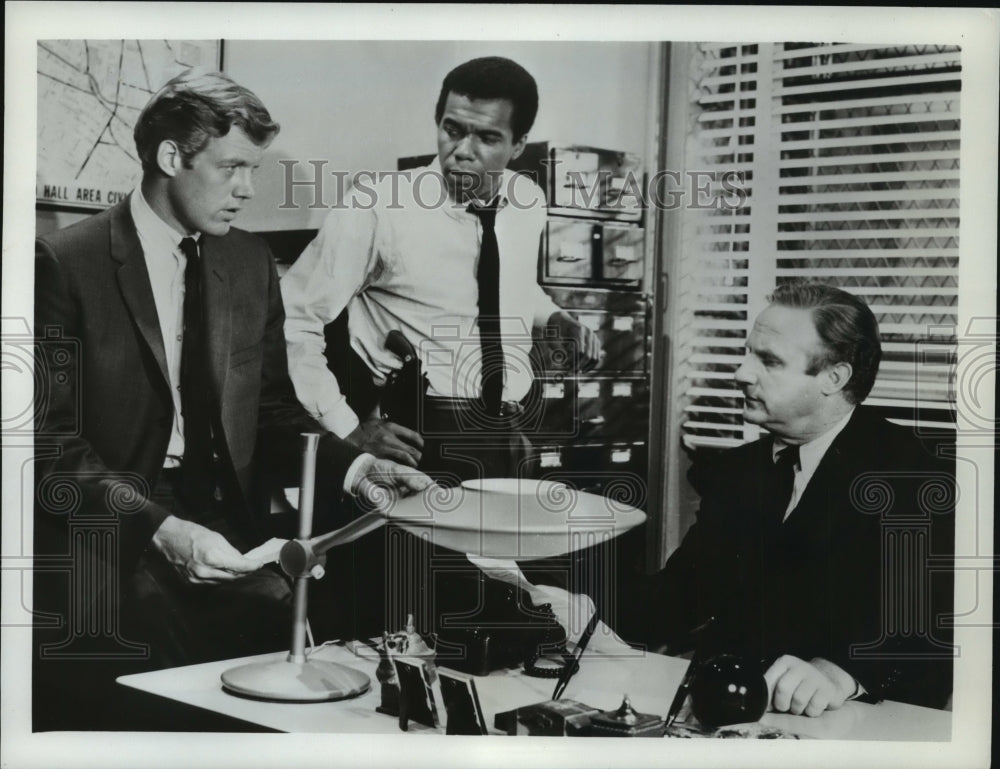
x: 297, y: 678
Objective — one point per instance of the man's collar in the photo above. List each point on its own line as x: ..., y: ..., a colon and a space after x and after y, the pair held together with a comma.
x: 500, y: 198
x: 812, y: 452
x: 151, y: 227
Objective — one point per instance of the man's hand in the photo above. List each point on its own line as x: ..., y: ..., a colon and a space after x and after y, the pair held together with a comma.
x: 200, y: 555
x: 577, y: 339
x: 388, y: 441
x: 381, y: 481
x: 798, y: 687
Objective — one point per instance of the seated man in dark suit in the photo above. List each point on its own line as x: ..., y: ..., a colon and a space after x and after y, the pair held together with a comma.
x: 821, y: 548
x: 168, y: 399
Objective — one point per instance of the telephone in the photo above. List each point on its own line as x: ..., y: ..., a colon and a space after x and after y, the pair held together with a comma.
x: 506, y: 630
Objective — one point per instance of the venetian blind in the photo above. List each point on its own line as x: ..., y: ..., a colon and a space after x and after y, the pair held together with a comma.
x: 849, y: 158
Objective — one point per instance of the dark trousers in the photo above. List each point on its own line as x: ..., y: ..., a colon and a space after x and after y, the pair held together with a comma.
x: 188, y: 623
x: 460, y: 446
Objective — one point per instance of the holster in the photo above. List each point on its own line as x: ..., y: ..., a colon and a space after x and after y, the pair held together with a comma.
x: 402, y: 397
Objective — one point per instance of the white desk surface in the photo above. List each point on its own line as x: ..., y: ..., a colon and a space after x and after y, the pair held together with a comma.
x: 649, y: 679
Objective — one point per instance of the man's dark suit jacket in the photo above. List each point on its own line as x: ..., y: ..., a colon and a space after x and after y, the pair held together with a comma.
x: 859, y: 573
x: 105, y: 412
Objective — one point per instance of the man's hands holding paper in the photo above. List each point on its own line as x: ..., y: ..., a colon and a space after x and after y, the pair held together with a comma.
x: 200, y: 556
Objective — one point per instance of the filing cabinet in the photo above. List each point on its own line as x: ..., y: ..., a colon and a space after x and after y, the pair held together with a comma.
x: 585, y: 181
x: 623, y: 337
x: 600, y: 299
x: 592, y: 254
x: 617, y: 469
x: 585, y: 409
x: 622, y: 261
x: 592, y: 427
x: 600, y: 181
x: 619, y: 319
x: 568, y: 251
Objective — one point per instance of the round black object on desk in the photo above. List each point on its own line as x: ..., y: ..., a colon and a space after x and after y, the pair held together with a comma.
x: 728, y: 690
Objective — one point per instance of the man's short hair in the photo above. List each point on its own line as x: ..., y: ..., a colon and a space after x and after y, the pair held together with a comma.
x: 494, y: 77
x: 196, y: 107
x: 847, y: 328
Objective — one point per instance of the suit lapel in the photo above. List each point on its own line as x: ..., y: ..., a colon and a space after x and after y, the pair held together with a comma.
x: 831, y: 474
x: 133, y: 282
x: 218, y: 317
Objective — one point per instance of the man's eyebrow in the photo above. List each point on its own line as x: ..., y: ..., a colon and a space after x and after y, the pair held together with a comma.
x: 485, y: 131
x: 761, y: 351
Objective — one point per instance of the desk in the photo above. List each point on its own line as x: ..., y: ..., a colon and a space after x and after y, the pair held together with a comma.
x: 649, y: 679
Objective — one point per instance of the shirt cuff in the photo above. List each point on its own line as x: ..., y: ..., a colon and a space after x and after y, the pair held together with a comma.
x: 358, y: 467
x: 339, y: 420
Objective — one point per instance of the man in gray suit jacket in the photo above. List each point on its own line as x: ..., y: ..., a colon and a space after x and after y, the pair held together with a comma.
x: 168, y: 400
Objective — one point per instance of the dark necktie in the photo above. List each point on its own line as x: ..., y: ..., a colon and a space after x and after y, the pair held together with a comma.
x: 195, y: 406
x: 488, y: 278
x: 782, y: 483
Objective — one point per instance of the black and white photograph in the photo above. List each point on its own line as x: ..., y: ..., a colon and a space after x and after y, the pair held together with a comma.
x: 384, y: 382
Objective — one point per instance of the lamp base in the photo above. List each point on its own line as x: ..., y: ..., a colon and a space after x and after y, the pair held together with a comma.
x: 309, y: 681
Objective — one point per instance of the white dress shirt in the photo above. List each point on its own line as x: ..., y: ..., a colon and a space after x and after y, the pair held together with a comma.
x: 401, y: 255
x: 810, y: 455
x: 165, y: 263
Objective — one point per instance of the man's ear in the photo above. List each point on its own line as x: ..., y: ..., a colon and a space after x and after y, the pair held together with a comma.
x: 168, y: 157
x: 519, y: 147
x: 836, y: 377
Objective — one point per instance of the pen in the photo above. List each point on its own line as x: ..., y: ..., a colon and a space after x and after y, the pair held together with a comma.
x: 678, y: 702
x: 681, y: 695
x: 574, y: 664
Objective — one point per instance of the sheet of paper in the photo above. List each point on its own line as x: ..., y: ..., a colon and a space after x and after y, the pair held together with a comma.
x: 572, y: 610
x: 268, y: 552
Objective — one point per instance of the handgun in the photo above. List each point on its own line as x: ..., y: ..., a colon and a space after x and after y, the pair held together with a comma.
x: 403, y: 394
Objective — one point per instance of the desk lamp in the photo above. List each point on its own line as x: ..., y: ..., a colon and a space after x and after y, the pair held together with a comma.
x: 298, y: 678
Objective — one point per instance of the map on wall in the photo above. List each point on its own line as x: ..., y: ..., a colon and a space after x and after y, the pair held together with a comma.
x: 90, y: 93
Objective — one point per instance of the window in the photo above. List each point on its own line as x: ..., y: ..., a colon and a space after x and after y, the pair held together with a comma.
x: 849, y: 157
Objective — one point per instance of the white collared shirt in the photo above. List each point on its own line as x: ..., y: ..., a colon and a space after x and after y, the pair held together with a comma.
x: 165, y: 263
x: 810, y: 455
x: 403, y: 256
